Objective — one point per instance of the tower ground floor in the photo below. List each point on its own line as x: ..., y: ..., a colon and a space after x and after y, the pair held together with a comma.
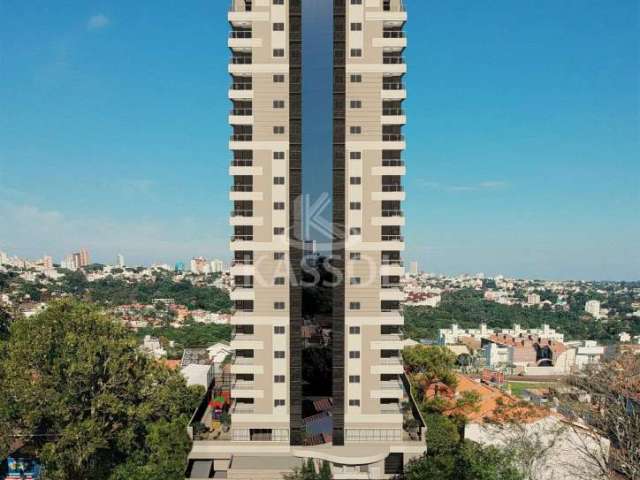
x: 256, y: 461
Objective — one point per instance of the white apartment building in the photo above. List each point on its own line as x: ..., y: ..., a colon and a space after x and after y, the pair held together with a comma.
x: 592, y: 307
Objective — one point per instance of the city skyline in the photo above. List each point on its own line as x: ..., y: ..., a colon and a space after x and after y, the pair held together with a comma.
x: 521, y: 159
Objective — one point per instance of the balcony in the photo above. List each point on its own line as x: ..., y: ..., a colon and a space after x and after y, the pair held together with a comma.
x: 242, y: 60
x: 389, y: 217
x: 241, y: 137
x: 390, y: 167
x: 242, y: 188
x: 391, y: 293
x: 241, y: 116
x: 393, y: 60
x: 390, y: 389
x: 245, y: 389
x: 244, y: 365
x: 243, y: 341
x: 388, y: 342
x: 388, y: 366
x: 241, y: 238
x: 391, y: 40
x: 393, y: 91
x: 242, y: 269
x: 242, y: 408
x: 392, y: 269
x: 241, y: 90
x: 393, y: 14
x: 242, y: 14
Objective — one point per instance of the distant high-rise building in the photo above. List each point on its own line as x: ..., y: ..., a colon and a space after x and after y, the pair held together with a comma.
x: 120, y: 260
x: 84, y: 258
x: 77, y: 260
x: 413, y: 268
x: 47, y: 262
x: 199, y: 265
x: 592, y: 307
x: 533, y: 299
x: 217, y: 266
x: 179, y: 267
x: 4, y: 258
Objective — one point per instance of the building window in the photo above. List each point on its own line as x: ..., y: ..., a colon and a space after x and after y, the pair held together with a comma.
x: 278, y: 205
x: 278, y: 27
x: 355, y: 155
x: 278, y: 78
x: 355, y: 130
x: 278, y: 281
x: 278, y: 130
x: 278, y: 354
x: 355, y: 256
x: 278, y: 52
x: 354, y: 403
x: 355, y: 281
x: 278, y: 255
x: 278, y: 155
x: 356, y: 78
x: 355, y: 231
x: 355, y: 206
x: 356, y: 2
x: 354, y: 378
x: 354, y: 330
x: 278, y: 180
x: 278, y: 104
x: 354, y: 306
x: 278, y: 305
x: 356, y: 27
x: 354, y: 354
x: 278, y: 330
x: 355, y: 180
x: 278, y: 230
x: 278, y: 402
x: 278, y: 2
x: 355, y: 104
x: 355, y: 52
x: 278, y: 379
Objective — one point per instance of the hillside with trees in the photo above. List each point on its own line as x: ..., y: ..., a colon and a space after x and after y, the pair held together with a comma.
x: 468, y: 309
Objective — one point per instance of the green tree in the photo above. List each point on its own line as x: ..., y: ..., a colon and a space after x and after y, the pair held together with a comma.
x: 87, y: 402
x: 431, y: 363
x: 442, y: 434
x: 469, y: 461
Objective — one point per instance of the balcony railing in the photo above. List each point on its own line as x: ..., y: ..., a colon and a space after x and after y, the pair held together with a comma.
x: 243, y: 286
x: 241, y: 238
x: 392, y: 111
x: 392, y: 188
x: 241, y: 86
x: 242, y: 213
x: 390, y: 285
x: 242, y: 188
x: 393, y: 86
x: 242, y: 137
x: 243, y: 408
x: 242, y: 112
x: 392, y: 137
x: 243, y: 385
x: 241, y: 60
x: 237, y: 360
x: 392, y: 213
x: 242, y: 34
x: 393, y: 163
x: 242, y: 163
x: 393, y: 60
x: 241, y: 262
x: 392, y: 238
x: 390, y: 385
x: 393, y: 34
x: 392, y: 261
x: 390, y: 408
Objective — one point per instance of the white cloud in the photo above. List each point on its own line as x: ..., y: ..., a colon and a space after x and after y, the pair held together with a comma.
x: 97, y: 22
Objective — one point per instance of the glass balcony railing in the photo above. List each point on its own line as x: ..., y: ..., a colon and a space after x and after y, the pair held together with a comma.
x: 392, y: 188
x: 392, y: 137
x: 242, y: 137
x: 392, y: 238
x: 242, y: 188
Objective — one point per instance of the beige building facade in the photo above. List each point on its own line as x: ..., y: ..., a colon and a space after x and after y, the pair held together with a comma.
x: 376, y: 426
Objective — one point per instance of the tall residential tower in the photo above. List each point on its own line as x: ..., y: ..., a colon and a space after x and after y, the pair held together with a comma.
x: 370, y: 426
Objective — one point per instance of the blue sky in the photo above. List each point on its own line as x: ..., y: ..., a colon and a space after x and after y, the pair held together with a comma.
x: 523, y: 134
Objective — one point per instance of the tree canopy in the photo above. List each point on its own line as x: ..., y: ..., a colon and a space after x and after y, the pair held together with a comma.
x: 83, y: 398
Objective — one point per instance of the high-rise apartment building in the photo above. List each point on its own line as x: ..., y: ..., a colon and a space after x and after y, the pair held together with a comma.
x: 374, y: 427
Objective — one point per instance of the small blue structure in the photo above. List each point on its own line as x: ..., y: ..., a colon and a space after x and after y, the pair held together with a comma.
x: 22, y: 469
x: 179, y: 267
